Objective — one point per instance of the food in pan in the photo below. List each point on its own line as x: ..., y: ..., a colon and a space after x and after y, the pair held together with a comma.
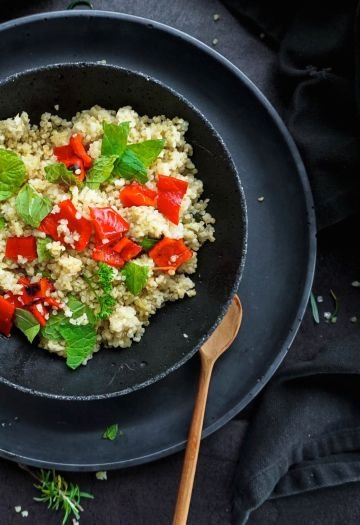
x: 101, y: 219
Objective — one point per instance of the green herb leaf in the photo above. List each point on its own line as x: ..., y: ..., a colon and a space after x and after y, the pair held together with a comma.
x: 335, y: 313
x: 111, y: 432
x: 135, y: 277
x: 52, y: 329
x: 59, y: 174
x: 147, y: 151
x: 27, y: 323
x: 12, y: 173
x: 58, y: 494
x: 148, y: 243
x: 42, y: 252
x: 106, y: 301
x: 100, y: 172
x: 314, y: 309
x: 114, y: 138
x: 80, y: 342
x: 2, y: 223
x: 130, y: 167
x: 31, y: 206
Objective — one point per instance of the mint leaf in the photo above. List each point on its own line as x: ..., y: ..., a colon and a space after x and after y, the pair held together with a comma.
x: 148, y: 243
x: 58, y: 173
x: 130, y: 167
x: 52, y: 328
x: 31, y: 206
x: 111, y: 432
x: 27, y: 323
x: 2, y: 223
x: 114, y: 138
x: 42, y: 252
x: 12, y: 173
x: 80, y: 342
x: 147, y: 151
x: 100, y: 172
x: 135, y: 277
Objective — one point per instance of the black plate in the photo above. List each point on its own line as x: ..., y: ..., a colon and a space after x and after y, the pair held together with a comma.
x: 163, y: 347
x: 280, y: 259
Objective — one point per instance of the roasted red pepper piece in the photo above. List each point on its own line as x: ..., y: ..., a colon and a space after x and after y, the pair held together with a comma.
x: 54, y: 303
x: 170, y: 253
x: 80, y: 225
x: 21, y: 246
x: 31, y: 292
x: 39, y: 312
x: 76, y: 143
x: 7, y: 311
x: 108, y: 256
x: 108, y: 224
x: 127, y: 249
x: 170, y: 195
x: 63, y: 152
x: 15, y: 300
x: 136, y: 194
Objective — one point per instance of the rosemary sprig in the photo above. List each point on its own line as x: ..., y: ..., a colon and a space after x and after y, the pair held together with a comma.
x: 57, y: 493
x: 314, y: 309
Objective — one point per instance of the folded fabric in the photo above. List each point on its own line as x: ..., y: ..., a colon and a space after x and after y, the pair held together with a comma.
x: 306, y: 432
x: 318, y: 49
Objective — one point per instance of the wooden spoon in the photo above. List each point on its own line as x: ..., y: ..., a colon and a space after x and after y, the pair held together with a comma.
x: 218, y: 342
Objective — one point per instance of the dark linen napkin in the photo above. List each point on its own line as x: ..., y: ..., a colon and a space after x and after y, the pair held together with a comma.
x: 305, y: 431
x: 318, y: 51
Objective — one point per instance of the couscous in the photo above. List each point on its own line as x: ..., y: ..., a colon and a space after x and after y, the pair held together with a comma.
x: 101, y: 218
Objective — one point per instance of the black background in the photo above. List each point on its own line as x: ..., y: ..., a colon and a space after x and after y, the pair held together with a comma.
x: 146, y: 495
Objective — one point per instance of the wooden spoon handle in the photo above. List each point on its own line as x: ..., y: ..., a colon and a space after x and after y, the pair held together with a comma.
x: 193, y: 445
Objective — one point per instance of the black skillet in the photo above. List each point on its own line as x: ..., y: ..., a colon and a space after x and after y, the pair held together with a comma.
x: 163, y: 348
x: 280, y: 257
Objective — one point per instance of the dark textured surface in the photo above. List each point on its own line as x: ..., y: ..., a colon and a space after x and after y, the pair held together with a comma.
x: 146, y: 495
x: 318, y: 54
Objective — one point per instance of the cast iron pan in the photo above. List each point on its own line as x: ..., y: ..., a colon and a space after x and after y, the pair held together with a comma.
x: 279, y: 263
x: 163, y: 348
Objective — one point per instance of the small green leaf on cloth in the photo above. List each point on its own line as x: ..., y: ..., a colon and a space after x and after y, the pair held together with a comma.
x: 2, y: 223
x: 314, y: 308
x: 27, y: 323
x: 335, y: 313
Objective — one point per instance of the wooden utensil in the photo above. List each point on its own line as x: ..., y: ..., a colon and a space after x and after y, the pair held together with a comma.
x: 218, y: 342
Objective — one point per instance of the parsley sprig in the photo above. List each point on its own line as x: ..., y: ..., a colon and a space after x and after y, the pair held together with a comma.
x: 106, y: 300
x: 105, y: 276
